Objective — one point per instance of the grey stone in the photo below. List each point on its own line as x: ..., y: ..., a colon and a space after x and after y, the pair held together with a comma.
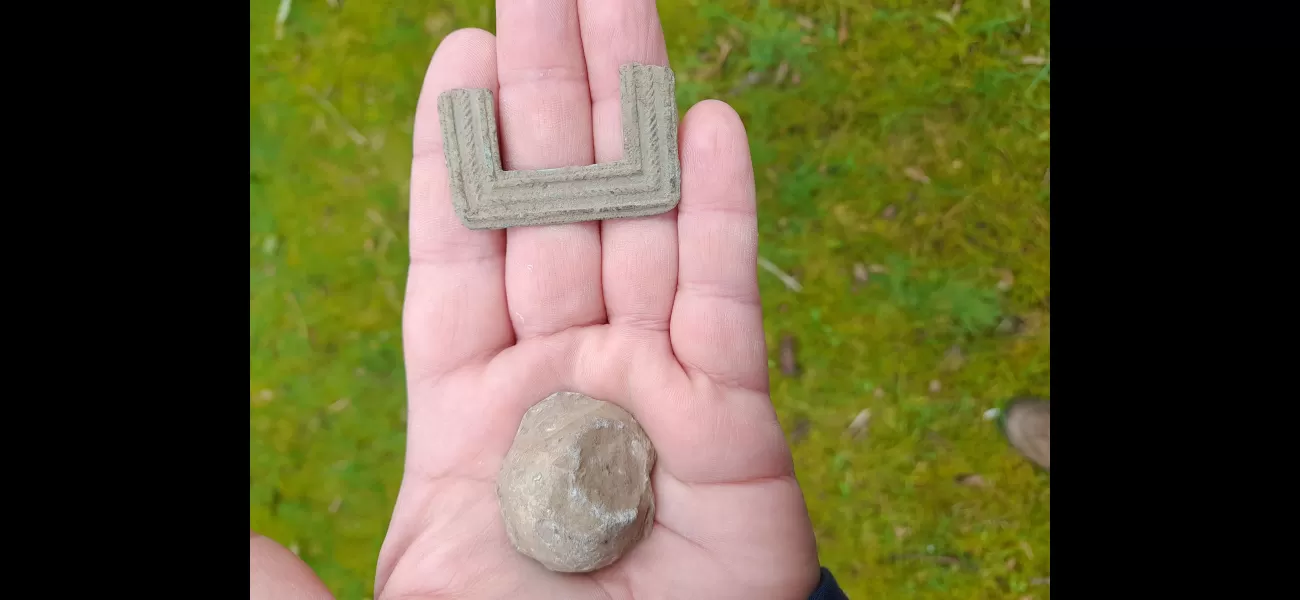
x: 575, y: 487
x: 646, y: 181
x: 1027, y: 423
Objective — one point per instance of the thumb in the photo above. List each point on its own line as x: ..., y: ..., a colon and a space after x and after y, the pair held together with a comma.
x: 274, y: 572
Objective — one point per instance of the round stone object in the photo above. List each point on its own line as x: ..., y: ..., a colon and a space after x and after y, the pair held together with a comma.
x: 575, y: 487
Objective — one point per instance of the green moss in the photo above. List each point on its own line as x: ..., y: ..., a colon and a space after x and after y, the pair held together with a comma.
x: 834, y: 135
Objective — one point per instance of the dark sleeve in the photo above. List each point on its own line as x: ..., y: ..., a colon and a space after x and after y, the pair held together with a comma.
x: 827, y: 589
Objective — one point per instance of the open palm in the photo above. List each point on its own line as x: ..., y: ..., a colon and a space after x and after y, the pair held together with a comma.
x: 660, y: 315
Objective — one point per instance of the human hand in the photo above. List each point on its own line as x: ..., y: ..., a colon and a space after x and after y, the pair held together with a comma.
x: 660, y: 315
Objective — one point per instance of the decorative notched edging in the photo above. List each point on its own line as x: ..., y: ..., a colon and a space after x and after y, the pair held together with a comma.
x: 647, y: 181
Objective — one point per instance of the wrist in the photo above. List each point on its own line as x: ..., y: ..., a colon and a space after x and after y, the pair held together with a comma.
x: 827, y: 588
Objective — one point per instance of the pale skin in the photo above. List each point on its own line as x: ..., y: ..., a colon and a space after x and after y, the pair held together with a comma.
x: 660, y: 315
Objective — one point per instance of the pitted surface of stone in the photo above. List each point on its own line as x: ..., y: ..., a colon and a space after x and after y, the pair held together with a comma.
x: 646, y: 181
x: 575, y: 488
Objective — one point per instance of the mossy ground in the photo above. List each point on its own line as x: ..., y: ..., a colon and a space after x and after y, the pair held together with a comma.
x: 906, y: 141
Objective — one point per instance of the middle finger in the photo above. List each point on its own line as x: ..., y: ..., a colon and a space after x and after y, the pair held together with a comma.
x: 552, y: 272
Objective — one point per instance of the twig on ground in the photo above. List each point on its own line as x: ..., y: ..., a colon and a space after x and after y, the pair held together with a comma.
x: 352, y: 132
x: 301, y: 321
x: 282, y: 15
x: 785, y: 278
x: 713, y: 69
x: 858, y: 428
x: 916, y: 174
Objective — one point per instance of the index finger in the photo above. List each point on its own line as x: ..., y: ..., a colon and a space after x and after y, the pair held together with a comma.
x: 455, y: 309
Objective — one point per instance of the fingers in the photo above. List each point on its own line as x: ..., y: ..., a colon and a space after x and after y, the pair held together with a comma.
x: 717, y: 321
x: 552, y: 273
x: 640, y: 255
x: 455, y: 310
x: 275, y: 573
